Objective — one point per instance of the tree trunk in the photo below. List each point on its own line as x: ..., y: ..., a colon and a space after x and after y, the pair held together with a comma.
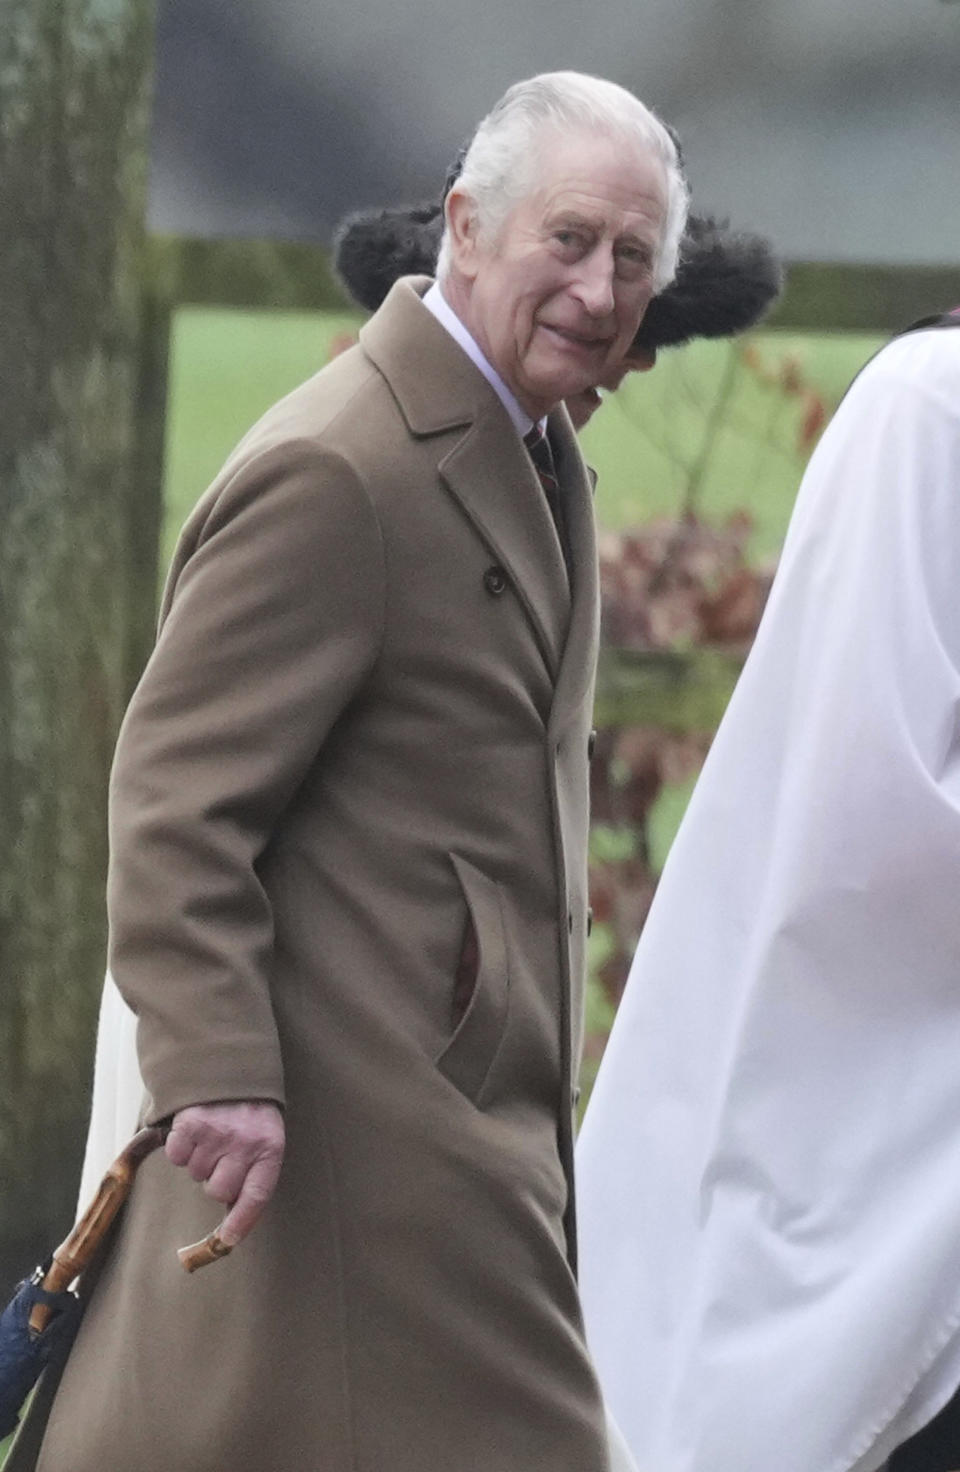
x: 80, y: 384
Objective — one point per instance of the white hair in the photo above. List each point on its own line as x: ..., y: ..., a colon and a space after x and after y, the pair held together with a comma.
x: 501, y: 165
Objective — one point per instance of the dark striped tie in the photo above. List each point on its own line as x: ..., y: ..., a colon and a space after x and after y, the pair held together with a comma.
x: 540, y: 453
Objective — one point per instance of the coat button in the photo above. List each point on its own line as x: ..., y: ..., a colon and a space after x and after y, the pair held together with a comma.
x: 495, y: 581
x: 591, y: 745
x: 589, y: 921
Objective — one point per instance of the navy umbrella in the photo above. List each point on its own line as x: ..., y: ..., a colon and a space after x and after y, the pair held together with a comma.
x: 24, y: 1354
x: 38, y: 1325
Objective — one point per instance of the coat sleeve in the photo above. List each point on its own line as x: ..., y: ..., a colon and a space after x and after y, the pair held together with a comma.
x: 273, y: 618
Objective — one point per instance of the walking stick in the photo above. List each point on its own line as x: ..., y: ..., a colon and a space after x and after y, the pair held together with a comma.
x: 75, y: 1253
x: 43, y: 1314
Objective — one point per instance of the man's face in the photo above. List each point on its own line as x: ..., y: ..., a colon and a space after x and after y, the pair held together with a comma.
x: 555, y: 301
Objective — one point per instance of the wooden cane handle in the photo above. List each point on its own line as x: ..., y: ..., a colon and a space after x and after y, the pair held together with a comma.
x: 201, y: 1254
x: 76, y: 1251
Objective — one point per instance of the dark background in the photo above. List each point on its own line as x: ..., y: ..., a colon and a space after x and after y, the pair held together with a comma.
x: 832, y: 127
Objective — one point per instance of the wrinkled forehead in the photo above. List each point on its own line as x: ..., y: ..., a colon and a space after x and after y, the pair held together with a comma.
x: 601, y: 177
x: 558, y: 155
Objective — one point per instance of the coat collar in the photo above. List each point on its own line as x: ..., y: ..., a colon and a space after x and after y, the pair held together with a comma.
x: 487, y: 469
x: 435, y: 385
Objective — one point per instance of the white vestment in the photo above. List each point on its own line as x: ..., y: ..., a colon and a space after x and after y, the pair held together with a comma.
x: 769, y: 1171
x: 118, y: 1090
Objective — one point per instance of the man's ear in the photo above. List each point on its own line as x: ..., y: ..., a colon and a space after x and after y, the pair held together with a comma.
x: 461, y: 216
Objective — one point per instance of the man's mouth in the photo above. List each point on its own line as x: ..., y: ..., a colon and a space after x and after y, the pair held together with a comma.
x: 585, y: 342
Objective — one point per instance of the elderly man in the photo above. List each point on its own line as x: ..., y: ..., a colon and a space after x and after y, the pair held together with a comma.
x: 347, y: 894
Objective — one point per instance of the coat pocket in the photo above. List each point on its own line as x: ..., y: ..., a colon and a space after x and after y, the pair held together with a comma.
x: 467, y: 1058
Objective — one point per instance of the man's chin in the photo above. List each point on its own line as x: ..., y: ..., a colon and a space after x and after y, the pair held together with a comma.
x: 557, y: 383
x: 582, y: 406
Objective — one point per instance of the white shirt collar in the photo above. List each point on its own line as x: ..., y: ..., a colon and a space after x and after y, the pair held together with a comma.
x: 436, y: 302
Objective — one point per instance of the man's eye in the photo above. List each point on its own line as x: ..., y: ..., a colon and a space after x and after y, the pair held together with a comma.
x: 568, y: 238
x: 633, y: 262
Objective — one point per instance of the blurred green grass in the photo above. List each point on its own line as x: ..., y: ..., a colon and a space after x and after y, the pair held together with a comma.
x: 718, y: 414
x: 228, y: 366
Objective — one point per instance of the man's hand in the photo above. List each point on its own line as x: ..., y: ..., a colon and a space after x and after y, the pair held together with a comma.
x: 236, y: 1151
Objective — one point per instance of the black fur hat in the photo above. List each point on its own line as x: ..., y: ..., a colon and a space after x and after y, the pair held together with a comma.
x: 725, y: 282
x: 374, y: 248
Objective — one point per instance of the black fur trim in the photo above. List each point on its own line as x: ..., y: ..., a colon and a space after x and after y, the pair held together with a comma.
x: 373, y: 248
x: 725, y: 282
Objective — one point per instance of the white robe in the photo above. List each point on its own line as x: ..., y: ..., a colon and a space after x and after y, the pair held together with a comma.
x: 118, y: 1090
x: 769, y: 1170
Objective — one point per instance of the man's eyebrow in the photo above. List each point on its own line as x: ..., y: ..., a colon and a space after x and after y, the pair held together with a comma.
x: 582, y: 220
x: 576, y: 218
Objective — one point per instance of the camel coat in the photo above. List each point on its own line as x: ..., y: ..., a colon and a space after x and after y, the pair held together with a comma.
x: 349, y: 828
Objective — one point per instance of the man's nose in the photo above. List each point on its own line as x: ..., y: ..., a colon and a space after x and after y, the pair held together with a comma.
x: 593, y: 287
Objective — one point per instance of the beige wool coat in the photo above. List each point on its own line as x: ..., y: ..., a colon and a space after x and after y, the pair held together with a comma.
x: 349, y: 829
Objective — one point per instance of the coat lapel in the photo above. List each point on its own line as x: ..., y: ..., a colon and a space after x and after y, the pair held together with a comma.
x: 491, y: 475
x: 486, y: 467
